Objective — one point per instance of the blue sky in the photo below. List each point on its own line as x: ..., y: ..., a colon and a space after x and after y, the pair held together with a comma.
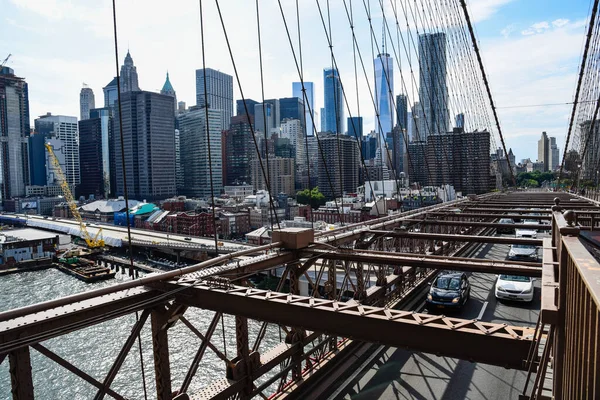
x: 531, y: 50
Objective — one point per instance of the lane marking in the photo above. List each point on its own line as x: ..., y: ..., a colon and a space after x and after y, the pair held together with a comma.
x: 482, y: 311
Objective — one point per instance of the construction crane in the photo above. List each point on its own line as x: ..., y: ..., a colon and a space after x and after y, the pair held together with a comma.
x: 5, y: 61
x: 92, y: 242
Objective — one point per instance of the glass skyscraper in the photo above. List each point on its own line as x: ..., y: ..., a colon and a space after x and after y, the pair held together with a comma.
x: 384, y: 89
x: 355, y: 127
x: 219, y: 93
x: 433, y: 89
x: 334, y: 102
x: 309, y: 106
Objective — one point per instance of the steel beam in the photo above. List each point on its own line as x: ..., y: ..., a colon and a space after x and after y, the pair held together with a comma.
x: 159, y: 320
x: 20, y: 374
x: 495, y: 267
x: 480, y: 224
x: 490, y: 215
x: 496, y: 344
x: 37, y: 327
x: 458, y: 238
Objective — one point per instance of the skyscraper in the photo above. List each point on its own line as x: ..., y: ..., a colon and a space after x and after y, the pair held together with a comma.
x: 239, y: 151
x: 149, y: 144
x: 267, y: 116
x: 62, y: 133
x: 355, y: 127
x: 554, y: 155
x: 402, y: 112
x: 128, y: 75
x: 194, y: 152
x: 334, y: 102
x: 110, y: 93
x: 459, y: 121
x: 168, y: 90
x: 219, y: 93
x: 94, y: 162
x: 384, y: 87
x: 86, y: 102
x: 340, y: 164
x: 292, y: 108
x: 241, y: 107
x: 433, y: 89
x: 544, y: 151
x: 309, y: 103
x: 14, y: 130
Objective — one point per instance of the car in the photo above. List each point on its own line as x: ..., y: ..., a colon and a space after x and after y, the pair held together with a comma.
x: 526, y: 233
x: 449, y: 290
x: 514, y: 287
x: 506, y: 221
x: 187, y: 238
x: 522, y: 252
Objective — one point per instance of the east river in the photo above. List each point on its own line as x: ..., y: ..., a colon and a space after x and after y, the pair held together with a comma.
x: 94, y: 349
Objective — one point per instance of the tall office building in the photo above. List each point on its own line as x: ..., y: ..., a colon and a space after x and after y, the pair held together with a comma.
x: 418, y: 133
x: 461, y: 159
x: 267, y: 116
x: 14, y: 131
x: 334, y: 102
x: 322, y: 121
x: 219, y: 93
x: 62, y: 133
x: 128, y: 75
x: 281, y: 172
x: 94, y: 161
x: 86, y: 102
x: 340, y: 164
x: 590, y: 164
x: 249, y: 106
x: 384, y: 89
x: 544, y: 151
x: 554, y: 155
x: 239, y: 151
x: 195, y: 144
x: 355, y: 127
x: 149, y: 144
x: 111, y: 95
x: 433, y: 89
x: 292, y: 108
x: 168, y: 90
x: 459, y: 121
x: 309, y: 103
x: 398, y: 149
x: 402, y: 112
x: 417, y: 163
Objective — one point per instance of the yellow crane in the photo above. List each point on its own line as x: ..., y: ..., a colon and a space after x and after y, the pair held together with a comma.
x: 92, y: 242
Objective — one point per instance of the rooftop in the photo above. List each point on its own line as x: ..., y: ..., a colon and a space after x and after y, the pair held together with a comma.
x: 18, y: 235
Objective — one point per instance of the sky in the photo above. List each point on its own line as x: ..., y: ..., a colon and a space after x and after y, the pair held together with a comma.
x: 531, y: 50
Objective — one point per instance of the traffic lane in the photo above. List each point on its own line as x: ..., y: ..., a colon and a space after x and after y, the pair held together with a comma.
x: 402, y: 374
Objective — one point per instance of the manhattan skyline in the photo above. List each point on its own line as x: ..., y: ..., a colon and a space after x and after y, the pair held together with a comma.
x: 153, y: 45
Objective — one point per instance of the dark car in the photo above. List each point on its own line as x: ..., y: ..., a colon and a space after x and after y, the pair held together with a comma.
x: 506, y: 221
x: 449, y: 290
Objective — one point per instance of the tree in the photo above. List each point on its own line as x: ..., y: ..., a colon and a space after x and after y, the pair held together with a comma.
x: 312, y: 197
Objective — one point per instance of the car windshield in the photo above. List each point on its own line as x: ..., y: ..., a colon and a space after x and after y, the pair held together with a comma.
x: 446, y: 282
x: 515, y: 278
x: 523, y: 246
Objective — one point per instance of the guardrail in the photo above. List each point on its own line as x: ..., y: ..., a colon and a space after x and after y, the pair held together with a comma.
x: 576, y: 345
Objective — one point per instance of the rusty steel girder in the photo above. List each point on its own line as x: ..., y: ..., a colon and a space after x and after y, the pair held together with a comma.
x: 489, y: 343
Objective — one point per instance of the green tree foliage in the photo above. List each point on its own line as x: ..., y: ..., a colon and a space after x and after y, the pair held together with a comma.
x: 313, y: 197
x: 534, y: 179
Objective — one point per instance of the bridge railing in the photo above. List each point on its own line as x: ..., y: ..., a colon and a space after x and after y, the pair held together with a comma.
x: 576, y: 346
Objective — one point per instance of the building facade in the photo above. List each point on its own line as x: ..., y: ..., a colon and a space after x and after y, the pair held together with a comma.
x: 128, y: 75
x: 544, y: 151
x: 94, y: 161
x: 355, y: 127
x: 311, y: 121
x: 216, y: 94
x: 168, y: 90
x: 246, y: 106
x: 554, y: 154
x: 14, y: 131
x: 282, y: 176
x: 267, y: 116
x: 402, y: 112
x: 197, y: 168
x: 339, y: 165
x: 149, y: 146
x: 384, y: 89
x: 433, y: 89
x: 86, y: 102
x: 239, y: 150
x: 334, y: 102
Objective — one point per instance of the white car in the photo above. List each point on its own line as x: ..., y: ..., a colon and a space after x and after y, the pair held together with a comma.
x: 522, y: 252
x: 514, y: 287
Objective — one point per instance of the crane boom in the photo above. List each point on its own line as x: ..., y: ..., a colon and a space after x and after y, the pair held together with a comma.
x: 5, y: 61
x: 92, y: 242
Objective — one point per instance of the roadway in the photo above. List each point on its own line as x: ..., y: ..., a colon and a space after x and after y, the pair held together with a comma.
x: 402, y: 374
x: 116, y: 236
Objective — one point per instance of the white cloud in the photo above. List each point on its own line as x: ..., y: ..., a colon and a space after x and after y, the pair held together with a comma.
x: 508, y: 30
x: 480, y: 10
x: 559, y: 23
x: 538, y: 27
